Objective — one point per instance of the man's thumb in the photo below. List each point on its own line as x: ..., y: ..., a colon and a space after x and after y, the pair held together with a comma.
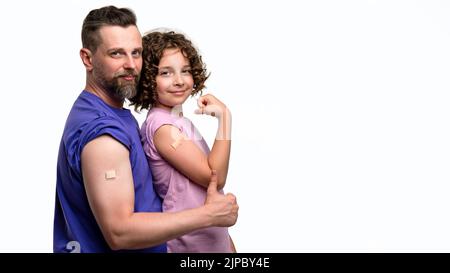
x: 212, y: 187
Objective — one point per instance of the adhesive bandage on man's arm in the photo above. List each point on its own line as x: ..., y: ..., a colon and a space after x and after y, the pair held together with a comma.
x: 110, y: 174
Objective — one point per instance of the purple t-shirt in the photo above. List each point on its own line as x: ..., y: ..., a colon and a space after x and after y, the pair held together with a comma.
x: 176, y: 190
x: 75, y: 227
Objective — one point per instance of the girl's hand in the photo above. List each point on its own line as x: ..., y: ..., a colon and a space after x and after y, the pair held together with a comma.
x: 210, y: 105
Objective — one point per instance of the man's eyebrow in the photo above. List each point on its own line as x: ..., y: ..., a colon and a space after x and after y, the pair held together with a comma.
x: 122, y: 49
x: 140, y: 49
x: 115, y: 49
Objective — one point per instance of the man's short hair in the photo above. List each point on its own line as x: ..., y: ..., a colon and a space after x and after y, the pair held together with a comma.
x: 105, y: 16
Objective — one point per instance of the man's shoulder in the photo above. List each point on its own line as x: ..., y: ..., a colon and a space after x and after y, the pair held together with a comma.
x: 89, y: 109
x: 84, y: 124
x: 82, y: 117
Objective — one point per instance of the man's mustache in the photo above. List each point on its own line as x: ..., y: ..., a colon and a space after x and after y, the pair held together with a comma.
x: 127, y: 73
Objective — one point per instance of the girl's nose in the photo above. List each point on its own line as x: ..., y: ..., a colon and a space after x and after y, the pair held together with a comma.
x: 178, y: 80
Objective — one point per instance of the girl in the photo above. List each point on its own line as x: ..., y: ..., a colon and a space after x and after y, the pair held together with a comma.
x: 179, y: 157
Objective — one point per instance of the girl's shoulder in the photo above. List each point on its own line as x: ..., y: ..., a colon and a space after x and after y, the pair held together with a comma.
x: 158, y: 114
x: 158, y: 117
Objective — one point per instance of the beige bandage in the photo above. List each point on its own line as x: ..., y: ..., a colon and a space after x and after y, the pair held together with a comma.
x: 177, y: 142
x: 111, y: 174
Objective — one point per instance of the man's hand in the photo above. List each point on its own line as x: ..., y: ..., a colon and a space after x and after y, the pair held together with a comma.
x: 223, y: 208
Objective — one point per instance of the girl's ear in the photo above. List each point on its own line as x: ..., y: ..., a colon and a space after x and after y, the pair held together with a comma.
x: 86, y: 58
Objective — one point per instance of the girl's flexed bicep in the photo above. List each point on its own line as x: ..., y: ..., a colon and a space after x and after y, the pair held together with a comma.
x: 183, y: 154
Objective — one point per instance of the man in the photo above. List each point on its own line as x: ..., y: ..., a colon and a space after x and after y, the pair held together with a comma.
x: 105, y: 199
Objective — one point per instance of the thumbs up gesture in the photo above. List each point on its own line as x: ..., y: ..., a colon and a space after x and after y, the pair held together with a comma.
x: 223, y: 209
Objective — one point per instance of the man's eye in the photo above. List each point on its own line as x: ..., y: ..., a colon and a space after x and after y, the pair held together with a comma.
x: 136, y: 53
x: 186, y: 71
x: 115, y: 53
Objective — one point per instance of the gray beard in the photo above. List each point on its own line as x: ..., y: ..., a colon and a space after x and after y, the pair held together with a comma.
x: 123, y: 92
x: 117, y: 90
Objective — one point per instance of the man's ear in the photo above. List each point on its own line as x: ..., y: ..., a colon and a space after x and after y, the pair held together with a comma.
x: 86, y: 58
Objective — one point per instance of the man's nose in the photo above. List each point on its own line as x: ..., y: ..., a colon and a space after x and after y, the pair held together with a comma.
x: 130, y: 62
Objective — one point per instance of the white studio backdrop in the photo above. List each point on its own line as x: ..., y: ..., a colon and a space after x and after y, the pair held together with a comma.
x: 341, y: 117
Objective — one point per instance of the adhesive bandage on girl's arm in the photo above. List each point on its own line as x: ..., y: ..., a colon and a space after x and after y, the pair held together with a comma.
x: 178, y: 141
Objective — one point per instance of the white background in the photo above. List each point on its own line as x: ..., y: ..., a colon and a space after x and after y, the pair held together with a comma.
x: 341, y: 117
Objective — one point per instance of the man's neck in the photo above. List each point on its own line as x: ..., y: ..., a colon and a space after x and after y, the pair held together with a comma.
x: 103, y: 94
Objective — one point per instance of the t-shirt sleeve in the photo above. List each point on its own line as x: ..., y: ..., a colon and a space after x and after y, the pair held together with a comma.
x: 103, y: 125
x: 158, y: 119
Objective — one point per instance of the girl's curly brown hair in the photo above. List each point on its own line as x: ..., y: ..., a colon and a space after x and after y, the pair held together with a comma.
x: 154, y: 44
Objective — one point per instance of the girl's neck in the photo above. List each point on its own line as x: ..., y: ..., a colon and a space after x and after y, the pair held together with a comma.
x: 176, y: 110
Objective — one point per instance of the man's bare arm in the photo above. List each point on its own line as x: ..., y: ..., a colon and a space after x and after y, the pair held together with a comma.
x: 109, y: 187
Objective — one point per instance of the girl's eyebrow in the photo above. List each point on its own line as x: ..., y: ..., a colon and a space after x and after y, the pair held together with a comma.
x: 170, y: 67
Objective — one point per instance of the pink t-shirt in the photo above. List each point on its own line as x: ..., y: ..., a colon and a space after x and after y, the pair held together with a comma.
x: 176, y: 190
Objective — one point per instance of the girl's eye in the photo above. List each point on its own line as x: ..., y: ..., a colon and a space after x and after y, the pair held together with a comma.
x: 164, y: 73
